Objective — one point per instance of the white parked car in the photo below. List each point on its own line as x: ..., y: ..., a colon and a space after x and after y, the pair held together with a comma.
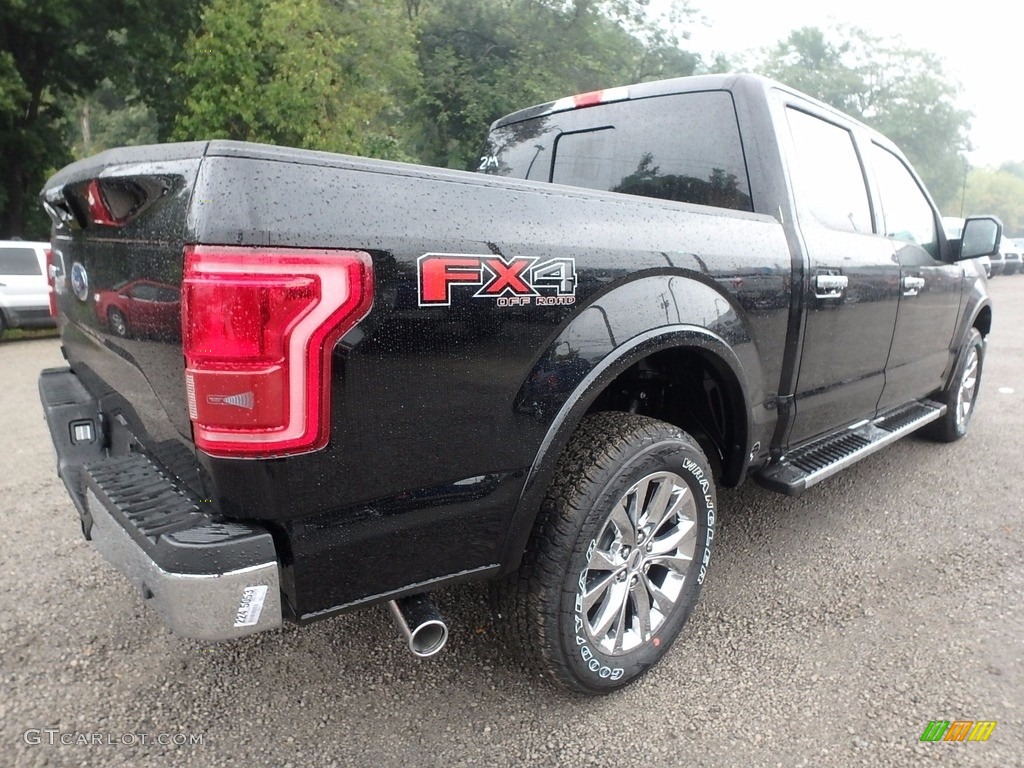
x: 24, y: 290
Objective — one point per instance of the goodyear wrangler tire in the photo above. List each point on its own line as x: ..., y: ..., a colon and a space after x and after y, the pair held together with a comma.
x: 617, y: 558
x: 961, y: 396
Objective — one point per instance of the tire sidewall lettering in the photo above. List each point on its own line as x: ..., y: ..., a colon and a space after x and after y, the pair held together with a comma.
x: 604, y: 671
x: 592, y: 661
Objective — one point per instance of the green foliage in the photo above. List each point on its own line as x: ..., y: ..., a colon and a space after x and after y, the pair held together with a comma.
x: 52, y: 51
x: 152, y: 57
x: 901, y: 92
x: 103, y: 119
x: 482, y: 60
x: 1015, y: 168
x: 303, y: 73
x: 405, y: 79
x: 811, y: 63
x: 999, y: 192
x: 34, y: 58
x: 13, y: 92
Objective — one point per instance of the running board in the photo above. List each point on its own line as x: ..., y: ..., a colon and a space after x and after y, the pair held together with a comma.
x: 810, y: 464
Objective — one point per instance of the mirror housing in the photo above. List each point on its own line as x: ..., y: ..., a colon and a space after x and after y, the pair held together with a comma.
x: 980, y: 237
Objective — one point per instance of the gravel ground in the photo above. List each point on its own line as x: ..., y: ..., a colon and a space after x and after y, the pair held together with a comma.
x: 832, y: 628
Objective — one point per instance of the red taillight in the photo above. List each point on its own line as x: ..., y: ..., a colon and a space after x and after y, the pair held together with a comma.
x: 99, y: 211
x: 258, y: 329
x: 51, y: 279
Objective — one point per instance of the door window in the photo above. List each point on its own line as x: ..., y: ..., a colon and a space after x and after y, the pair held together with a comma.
x: 19, y: 261
x: 908, y: 216
x: 829, y: 174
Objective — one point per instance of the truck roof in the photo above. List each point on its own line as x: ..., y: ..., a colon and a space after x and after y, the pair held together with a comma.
x: 718, y: 82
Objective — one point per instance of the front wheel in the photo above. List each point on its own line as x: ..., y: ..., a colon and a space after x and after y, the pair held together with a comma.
x: 961, y: 395
x: 618, y: 555
x: 117, y: 323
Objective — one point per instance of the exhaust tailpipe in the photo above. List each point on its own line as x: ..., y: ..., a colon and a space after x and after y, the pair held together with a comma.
x: 420, y: 624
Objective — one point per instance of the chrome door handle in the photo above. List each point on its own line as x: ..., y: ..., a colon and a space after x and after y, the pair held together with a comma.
x: 830, y: 286
x: 912, y: 285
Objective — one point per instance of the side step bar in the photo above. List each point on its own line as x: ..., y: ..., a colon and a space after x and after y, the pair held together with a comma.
x: 810, y: 464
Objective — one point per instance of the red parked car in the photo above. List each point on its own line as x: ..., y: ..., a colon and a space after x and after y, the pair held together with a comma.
x: 139, y: 307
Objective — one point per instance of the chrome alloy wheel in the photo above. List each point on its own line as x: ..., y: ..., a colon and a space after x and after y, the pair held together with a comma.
x: 636, y: 568
x: 968, y: 387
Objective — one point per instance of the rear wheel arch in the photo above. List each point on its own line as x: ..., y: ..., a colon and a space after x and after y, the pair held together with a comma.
x: 679, y: 346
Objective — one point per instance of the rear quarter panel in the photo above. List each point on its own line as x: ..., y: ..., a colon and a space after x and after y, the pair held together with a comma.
x: 435, y: 421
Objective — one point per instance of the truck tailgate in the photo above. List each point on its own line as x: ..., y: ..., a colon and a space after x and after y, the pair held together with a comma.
x: 120, y: 226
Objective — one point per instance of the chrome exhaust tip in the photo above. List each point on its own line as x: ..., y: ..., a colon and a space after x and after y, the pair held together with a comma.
x: 420, y: 624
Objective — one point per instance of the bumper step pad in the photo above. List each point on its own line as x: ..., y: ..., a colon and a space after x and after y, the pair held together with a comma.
x: 167, y: 523
x: 824, y: 457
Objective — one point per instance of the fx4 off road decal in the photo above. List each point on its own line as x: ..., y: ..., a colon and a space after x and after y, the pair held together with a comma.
x: 514, y: 282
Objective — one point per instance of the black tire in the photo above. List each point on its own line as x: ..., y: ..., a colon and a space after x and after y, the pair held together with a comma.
x: 117, y: 323
x: 580, y: 553
x: 961, y: 394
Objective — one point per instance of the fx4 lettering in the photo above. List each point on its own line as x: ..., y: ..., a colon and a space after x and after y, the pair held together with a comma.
x: 515, y: 281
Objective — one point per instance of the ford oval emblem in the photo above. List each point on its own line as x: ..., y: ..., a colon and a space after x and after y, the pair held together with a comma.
x: 79, y: 281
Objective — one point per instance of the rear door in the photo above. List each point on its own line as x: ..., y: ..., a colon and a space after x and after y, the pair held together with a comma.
x: 853, y: 288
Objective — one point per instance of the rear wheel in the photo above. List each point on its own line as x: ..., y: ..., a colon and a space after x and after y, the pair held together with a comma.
x: 618, y: 555
x: 961, y: 395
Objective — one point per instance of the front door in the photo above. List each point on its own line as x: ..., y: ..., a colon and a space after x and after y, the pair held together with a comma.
x: 930, y: 289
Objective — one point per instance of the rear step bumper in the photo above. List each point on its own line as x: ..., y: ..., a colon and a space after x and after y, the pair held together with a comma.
x: 822, y: 458
x: 209, y: 580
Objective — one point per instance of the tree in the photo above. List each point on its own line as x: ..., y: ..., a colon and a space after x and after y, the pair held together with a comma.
x: 1015, y: 168
x: 318, y: 74
x: 103, y: 119
x: 808, y: 61
x: 150, y: 64
x: 52, y: 51
x: 999, y: 192
x: 900, y: 91
x: 480, y: 61
x: 45, y: 47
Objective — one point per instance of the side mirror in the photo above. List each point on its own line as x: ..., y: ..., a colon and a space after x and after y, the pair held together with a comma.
x: 980, y: 237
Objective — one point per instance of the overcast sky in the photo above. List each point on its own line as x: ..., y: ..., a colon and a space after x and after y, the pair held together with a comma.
x: 981, y: 42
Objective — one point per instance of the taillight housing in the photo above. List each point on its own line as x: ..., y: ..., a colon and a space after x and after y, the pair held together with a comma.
x: 51, y: 279
x: 258, y: 329
x: 99, y: 210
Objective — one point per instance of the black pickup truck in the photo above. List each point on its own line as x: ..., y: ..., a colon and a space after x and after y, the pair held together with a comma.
x: 300, y: 383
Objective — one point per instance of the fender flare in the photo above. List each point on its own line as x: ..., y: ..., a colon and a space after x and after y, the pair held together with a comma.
x: 681, y: 336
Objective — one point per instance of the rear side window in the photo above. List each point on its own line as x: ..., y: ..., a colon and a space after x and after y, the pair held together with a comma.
x: 829, y: 173
x: 685, y: 147
x: 19, y: 261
